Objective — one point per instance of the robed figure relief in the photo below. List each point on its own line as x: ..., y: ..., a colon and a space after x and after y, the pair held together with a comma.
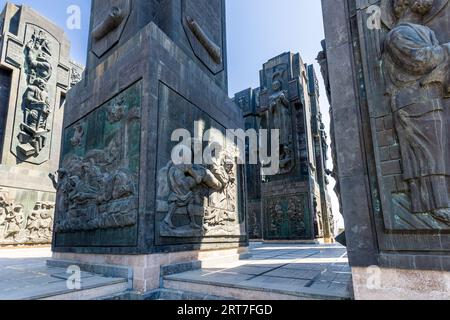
x: 280, y: 113
x: 417, y: 68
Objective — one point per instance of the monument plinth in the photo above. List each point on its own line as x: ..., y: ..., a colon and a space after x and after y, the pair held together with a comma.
x: 122, y: 199
x: 35, y: 75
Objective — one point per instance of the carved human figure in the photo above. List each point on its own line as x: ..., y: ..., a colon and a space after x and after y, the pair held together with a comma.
x: 183, y: 178
x: 116, y: 113
x: 75, y: 77
x: 37, y: 105
x: 46, y: 221
x: 14, y: 223
x: 2, y: 216
x: 38, y: 56
x: 78, y: 135
x: 189, y: 183
x: 277, y: 217
x: 3, y: 209
x: 220, y: 178
x: 280, y: 112
x: 62, y: 187
x: 36, y: 101
x: 33, y: 223
x: 416, y: 66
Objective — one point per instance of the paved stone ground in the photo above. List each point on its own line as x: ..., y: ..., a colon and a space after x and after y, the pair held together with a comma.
x: 316, y: 270
x: 24, y: 275
x: 319, y: 270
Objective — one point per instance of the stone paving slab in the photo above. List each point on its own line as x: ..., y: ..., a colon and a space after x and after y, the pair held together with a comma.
x: 320, y: 270
x: 24, y: 275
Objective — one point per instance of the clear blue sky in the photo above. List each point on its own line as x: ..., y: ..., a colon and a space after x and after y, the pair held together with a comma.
x: 257, y: 30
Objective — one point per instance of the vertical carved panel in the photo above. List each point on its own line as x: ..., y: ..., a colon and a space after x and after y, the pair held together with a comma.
x: 197, y: 202
x: 98, y: 182
x: 37, y: 96
x: 287, y: 217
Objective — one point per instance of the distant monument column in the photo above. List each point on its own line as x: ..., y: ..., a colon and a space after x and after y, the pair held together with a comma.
x: 292, y: 204
x: 388, y: 74
x: 156, y: 76
x: 35, y: 75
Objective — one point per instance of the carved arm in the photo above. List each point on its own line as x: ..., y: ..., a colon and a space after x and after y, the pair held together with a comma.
x: 112, y: 21
x: 213, y: 49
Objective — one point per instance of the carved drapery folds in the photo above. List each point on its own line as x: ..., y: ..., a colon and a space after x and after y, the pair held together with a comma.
x: 17, y: 226
x: 416, y: 67
x: 278, y: 115
x: 36, y: 104
x: 204, y: 196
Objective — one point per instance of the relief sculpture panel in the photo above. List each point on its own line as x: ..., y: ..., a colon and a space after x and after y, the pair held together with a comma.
x: 417, y: 68
x: 25, y: 218
x: 196, y: 200
x: 287, y: 217
x: 37, y: 96
x: 407, y: 67
x: 98, y: 181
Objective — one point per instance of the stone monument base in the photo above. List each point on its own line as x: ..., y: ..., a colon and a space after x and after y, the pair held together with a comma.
x: 146, y: 269
x: 396, y: 284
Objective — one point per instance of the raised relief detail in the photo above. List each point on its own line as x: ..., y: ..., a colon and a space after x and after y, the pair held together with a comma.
x: 20, y: 227
x: 95, y: 196
x: 36, y: 104
x: 109, y: 22
x: 204, y: 31
x: 285, y: 217
x: 206, y: 195
x: 75, y: 77
x: 278, y: 115
x: 416, y: 68
x: 213, y: 49
x: 97, y: 183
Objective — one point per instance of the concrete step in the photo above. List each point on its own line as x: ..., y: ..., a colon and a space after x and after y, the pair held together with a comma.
x: 96, y: 292
x: 177, y: 295
x: 244, y: 290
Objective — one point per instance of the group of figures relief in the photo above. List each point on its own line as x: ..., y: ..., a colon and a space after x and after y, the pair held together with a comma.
x: 205, y: 194
x: 416, y: 68
x: 36, y: 103
x: 97, y: 183
x: 17, y: 227
x: 93, y: 195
